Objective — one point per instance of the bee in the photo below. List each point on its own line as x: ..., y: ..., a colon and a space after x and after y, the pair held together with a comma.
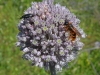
x: 26, y: 16
x: 72, y: 30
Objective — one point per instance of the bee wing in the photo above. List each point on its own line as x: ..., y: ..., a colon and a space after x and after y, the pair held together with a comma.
x: 75, y: 30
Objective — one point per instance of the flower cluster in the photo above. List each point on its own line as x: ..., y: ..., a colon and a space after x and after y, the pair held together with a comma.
x: 42, y: 36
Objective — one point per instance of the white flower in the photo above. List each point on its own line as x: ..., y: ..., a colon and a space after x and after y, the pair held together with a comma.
x: 48, y: 58
x: 69, y: 47
x: 25, y: 50
x: 38, y: 53
x: 41, y: 64
x: 18, y: 43
x: 34, y: 42
x: 97, y: 45
x: 61, y: 52
x: 43, y: 38
x: 38, y: 30
x: 59, y: 41
x: 34, y: 51
x: 58, y: 68
x: 53, y: 58
x: 45, y: 28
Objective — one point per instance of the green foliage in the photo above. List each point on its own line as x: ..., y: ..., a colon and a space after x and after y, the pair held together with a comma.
x: 11, y: 63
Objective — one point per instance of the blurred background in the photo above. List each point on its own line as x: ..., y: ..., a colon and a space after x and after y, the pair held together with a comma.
x: 87, y: 62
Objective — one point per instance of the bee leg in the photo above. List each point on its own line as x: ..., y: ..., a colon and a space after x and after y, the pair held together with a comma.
x: 66, y: 28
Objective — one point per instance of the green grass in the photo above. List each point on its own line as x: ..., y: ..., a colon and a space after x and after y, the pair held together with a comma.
x: 11, y: 63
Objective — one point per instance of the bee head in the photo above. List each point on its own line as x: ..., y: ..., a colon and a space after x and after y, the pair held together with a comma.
x: 66, y: 22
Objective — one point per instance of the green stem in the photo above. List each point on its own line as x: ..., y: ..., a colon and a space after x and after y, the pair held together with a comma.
x: 52, y: 68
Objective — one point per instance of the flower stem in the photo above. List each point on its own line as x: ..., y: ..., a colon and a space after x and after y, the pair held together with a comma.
x: 52, y: 68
